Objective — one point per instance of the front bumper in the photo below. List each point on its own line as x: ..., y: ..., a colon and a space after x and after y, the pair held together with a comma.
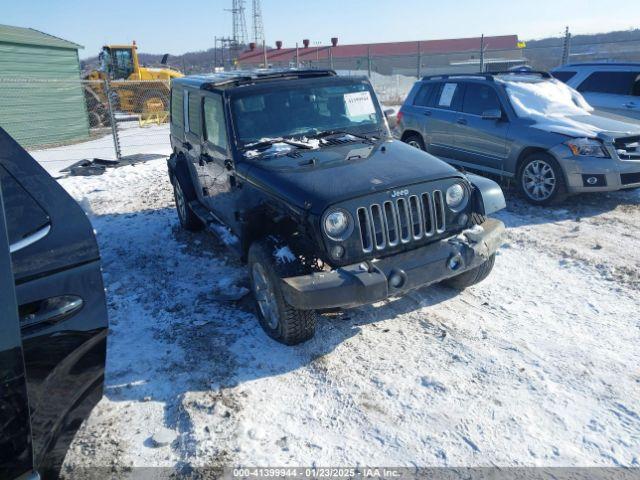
x: 370, y: 282
x: 612, y: 174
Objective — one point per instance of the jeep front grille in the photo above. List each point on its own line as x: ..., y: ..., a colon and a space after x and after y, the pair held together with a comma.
x: 402, y: 220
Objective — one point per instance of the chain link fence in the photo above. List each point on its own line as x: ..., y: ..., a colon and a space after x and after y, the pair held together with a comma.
x: 62, y: 122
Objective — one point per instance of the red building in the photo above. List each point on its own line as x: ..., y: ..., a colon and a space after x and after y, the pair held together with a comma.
x: 393, y: 57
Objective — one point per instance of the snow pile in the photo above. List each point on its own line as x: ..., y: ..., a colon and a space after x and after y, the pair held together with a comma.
x: 284, y: 254
x: 549, y: 98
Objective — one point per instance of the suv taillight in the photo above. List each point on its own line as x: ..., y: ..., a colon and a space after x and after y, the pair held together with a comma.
x: 399, y: 116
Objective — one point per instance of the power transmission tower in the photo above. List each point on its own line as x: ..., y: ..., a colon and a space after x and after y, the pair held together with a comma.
x: 258, y: 26
x: 239, y: 23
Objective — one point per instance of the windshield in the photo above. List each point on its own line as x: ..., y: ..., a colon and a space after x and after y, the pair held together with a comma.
x: 296, y: 112
x: 547, y: 98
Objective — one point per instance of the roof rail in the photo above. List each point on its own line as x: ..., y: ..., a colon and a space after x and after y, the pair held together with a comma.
x: 486, y: 76
x: 542, y: 73
x: 601, y: 64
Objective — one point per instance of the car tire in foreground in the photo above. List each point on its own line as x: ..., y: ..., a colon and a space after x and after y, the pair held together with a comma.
x: 541, y: 180
x: 473, y: 276
x: 279, y: 320
x: 183, y: 194
x: 414, y: 140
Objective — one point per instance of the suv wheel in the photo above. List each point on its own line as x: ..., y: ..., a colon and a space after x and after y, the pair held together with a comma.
x: 183, y: 196
x: 541, y: 180
x: 473, y: 276
x: 415, y: 141
x: 279, y: 320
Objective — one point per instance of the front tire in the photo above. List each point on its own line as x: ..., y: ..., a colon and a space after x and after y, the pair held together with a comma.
x: 473, y: 276
x: 279, y: 320
x: 541, y: 180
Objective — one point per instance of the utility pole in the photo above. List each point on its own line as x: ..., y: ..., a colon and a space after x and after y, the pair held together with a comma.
x: 264, y: 53
x: 419, y: 61
x: 482, y: 53
x: 566, y: 46
x: 369, y: 61
x: 297, y: 56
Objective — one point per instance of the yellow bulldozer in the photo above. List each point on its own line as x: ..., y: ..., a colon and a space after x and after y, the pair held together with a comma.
x: 135, y: 89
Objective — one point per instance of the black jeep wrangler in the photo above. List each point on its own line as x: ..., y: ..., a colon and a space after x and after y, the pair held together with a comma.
x: 296, y: 171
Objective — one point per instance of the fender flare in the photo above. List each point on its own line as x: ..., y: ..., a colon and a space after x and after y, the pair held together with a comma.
x: 491, y: 195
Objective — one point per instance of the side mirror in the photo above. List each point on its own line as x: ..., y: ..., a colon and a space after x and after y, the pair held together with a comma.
x: 493, y: 114
x: 392, y: 119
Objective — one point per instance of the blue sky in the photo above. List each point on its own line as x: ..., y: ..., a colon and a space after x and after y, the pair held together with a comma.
x: 172, y: 26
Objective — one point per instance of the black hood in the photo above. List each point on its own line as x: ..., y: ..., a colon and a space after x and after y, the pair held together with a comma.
x: 328, y: 175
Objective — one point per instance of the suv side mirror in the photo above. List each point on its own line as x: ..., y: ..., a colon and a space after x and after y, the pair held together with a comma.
x: 493, y: 114
x: 391, y: 117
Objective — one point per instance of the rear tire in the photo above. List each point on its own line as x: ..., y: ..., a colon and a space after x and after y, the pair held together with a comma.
x: 473, y: 276
x: 415, y: 141
x: 280, y: 321
x: 183, y: 193
x: 541, y: 180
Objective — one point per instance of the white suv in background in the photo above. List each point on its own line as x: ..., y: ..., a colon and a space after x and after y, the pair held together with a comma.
x: 612, y: 87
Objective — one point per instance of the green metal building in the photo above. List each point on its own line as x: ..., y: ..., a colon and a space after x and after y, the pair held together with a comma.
x: 41, y: 96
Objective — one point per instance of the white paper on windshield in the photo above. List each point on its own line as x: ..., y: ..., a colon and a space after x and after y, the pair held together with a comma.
x: 447, y: 94
x: 359, y: 104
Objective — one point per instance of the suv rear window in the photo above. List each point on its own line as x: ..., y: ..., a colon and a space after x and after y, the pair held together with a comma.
x: 24, y: 214
x: 195, y: 102
x: 448, y: 96
x: 618, y: 83
x: 564, y: 76
x: 424, y: 94
x: 479, y: 98
x: 177, y: 107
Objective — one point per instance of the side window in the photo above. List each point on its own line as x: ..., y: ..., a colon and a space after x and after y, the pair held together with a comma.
x: 479, y: 98
x: 449, y: 96
x: 177, y: 107
x: 194, y: 113
x: 215, y: 131
x: 564, y: 76
x: 24, y: 214
x: 423, y: 95
x: 618, y: 83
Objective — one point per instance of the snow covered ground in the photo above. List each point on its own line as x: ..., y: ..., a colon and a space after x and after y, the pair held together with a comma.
x: 134, y: 139
x: 538, y: 365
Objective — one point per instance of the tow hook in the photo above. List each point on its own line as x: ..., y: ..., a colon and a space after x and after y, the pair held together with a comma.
x: 455, y: 262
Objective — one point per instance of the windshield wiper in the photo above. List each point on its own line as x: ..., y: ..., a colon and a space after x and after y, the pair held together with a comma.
x: 328, y: 133
x: 273, y: 141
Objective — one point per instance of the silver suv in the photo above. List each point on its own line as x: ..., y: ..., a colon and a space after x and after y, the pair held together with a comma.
x: 611, y: 87
x: 528, y: 126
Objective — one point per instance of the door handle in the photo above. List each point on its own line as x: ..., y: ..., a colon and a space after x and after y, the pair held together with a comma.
x: 427, y: 113
x: 187, y: 146
x: 461, y: 121
x: 205, y: 158
x: 631, y: 104
x: 49, y: 311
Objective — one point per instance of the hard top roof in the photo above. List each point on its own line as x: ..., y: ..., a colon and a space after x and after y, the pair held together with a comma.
x: 243, y: 77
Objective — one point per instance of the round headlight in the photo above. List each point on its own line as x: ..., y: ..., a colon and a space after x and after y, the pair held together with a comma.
x: 456, y: 197
x: 337, y: 224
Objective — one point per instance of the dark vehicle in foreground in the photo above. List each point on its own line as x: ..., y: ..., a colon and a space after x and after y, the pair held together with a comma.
x: 527, y: 126
x: 297, y: 171
x: 53, y: 324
